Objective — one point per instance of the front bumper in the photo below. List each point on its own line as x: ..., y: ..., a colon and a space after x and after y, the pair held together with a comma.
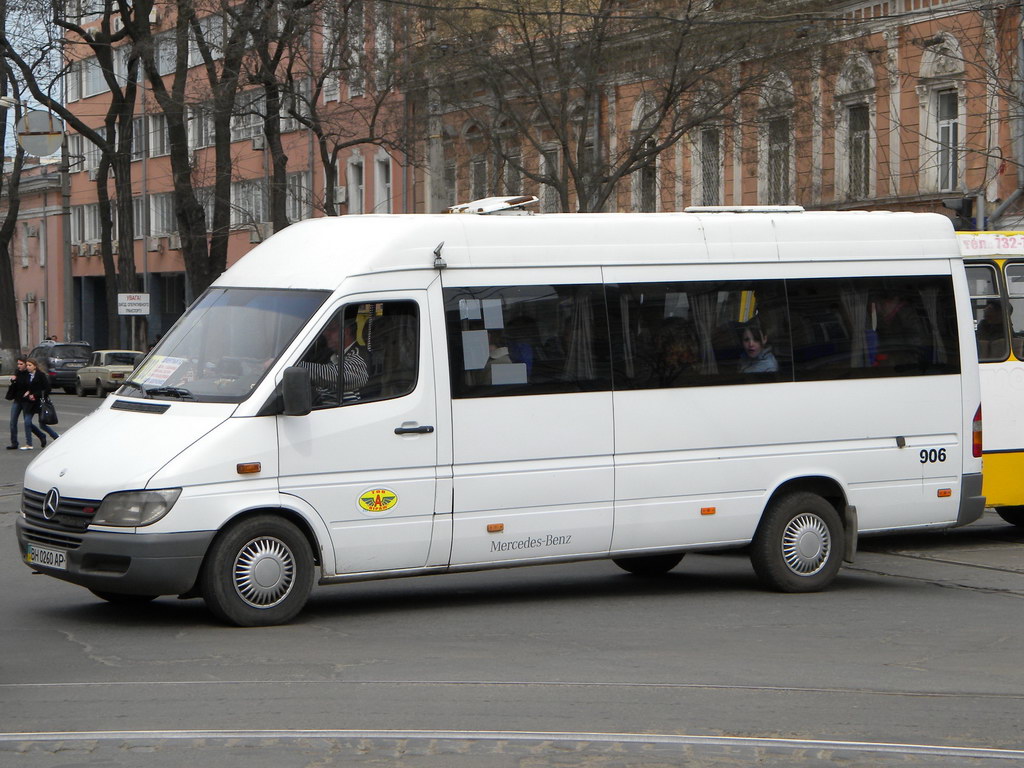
x: 127, y: 563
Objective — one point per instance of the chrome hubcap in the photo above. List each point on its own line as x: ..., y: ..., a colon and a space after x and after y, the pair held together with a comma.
x: 806, y: 544
x: 264, y: 572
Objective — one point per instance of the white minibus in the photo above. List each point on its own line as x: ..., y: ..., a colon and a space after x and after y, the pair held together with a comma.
x: 364, y: 397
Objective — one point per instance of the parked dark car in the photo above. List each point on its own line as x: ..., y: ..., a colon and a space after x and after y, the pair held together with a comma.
x: 61, y: 362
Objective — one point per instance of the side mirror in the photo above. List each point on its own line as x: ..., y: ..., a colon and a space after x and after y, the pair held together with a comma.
x: 296, y: 391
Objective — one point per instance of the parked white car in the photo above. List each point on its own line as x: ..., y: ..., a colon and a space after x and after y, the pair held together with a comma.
x: 106, y: 371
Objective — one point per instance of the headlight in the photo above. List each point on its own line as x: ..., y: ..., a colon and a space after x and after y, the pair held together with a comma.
x: 135, y: 508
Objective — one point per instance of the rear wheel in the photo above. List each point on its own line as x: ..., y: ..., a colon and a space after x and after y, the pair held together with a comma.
x: 649, y: 565
x: 99, y: 389
x: 1012, y: 515
x: 258, y: 572
x: 69, y: 390
x: 798, y: 546
x: 120, y: 598
x: 79, y: 389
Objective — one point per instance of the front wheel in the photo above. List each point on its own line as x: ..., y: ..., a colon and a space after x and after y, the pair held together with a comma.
x: 258, y: 572
x: 649, y: 565
x: 798, y: 546
x: 1012, y: 515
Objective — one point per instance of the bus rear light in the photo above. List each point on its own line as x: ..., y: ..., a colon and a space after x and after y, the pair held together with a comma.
x: 976, y: 434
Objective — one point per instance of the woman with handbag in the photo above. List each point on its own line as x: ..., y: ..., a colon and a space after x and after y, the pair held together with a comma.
x: 37, y: 392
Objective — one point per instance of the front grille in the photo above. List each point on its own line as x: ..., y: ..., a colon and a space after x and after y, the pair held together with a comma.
x: 51, y: 538
x: 72, y: 514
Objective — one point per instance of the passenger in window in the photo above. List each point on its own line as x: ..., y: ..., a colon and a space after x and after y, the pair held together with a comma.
x: 902, y: 334
x: 675, y: 352
x: 757, y: 356
x: 521, y: 335
x: 991, y: 332
x: 323, y: 365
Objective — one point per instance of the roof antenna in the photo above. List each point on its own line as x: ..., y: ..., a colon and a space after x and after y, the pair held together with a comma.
x: 439, y: 263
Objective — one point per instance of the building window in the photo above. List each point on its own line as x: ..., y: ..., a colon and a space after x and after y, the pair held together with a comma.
x: 247, y: 121
x: 779, y: 148
x: 710, y: 166
x: 139, y: 217
x: 138, y: 138
x: 248, y: 203
x: 382, y: 185
x: 948, y: 140
x: 511, y: 178
x: 299, y: 200
x: 647, y: 178
x: 93, y: 81
x: 549, y: 201
x: 355, y: 186
x: 858, y: 149
x: 161, y: 214
x: 159, y: 142
x: 478, y: 178
x: 449, y: 184
x: 202, y: 128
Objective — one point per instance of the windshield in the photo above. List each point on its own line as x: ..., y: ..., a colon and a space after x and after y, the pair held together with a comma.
x: 62, y: 351
x: 223, y: 345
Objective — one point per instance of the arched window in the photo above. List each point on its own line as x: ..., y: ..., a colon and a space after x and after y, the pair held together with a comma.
x: 942, y: 103
x: 854, y: 109
x: 776, y: 171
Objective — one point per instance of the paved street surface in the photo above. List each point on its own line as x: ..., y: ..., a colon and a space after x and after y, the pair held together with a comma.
x: 913, y: 658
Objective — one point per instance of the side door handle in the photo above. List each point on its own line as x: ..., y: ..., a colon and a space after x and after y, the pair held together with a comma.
x: 404, y: 430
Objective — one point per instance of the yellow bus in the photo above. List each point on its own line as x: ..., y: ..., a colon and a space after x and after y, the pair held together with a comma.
x: 995, y: 274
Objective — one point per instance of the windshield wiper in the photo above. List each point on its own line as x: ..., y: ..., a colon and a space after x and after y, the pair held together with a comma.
x: 178, y: 392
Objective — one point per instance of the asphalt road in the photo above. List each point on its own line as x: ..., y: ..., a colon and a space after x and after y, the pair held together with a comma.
x: 912, y: 658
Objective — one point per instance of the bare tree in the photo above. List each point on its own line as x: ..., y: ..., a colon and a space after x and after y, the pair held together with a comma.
x: 346, y: 88
x: 541, y: 79
x: 10, y: 181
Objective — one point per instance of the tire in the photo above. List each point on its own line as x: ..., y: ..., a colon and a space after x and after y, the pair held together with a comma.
x: 99, y: 389
x: 120, y: 598
x: 267, y: 548
x: 799, y: 544
x: 68, y: 390
x: 649, y: 565
x: 79, y: 389
x: 1012, y: 515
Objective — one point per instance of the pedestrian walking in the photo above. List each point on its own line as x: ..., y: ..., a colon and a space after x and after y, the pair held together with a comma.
x: 38, y: 389
x: 16, y: 390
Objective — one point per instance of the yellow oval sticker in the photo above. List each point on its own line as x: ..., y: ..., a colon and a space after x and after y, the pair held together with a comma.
x: 378, y: 500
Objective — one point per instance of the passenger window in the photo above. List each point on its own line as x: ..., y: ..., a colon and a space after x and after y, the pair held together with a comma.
x: 867, y: 327
x: 988, y: 310
x: 366, y: 352
x: 525, y: 340
x: 700, y: 334
x: 1015, y: 289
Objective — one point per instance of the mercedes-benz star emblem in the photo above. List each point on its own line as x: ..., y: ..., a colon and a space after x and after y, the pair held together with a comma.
x: 51, y: 504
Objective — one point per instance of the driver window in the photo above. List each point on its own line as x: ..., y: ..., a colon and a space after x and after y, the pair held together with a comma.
x: 366, y: 352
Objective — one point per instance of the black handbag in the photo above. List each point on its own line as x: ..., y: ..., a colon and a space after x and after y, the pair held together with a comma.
x: 47, y: 413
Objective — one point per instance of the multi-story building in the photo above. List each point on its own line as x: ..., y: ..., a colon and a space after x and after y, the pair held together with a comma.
x: 909, y: 103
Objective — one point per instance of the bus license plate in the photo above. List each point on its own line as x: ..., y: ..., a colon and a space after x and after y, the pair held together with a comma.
x: 49, y: 558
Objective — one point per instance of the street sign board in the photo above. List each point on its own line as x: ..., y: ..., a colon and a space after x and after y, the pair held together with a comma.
x: 133, y: 303
x: 40, y: 133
